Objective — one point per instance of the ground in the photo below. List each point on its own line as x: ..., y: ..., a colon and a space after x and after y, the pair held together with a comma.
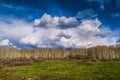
x: 62, y: 70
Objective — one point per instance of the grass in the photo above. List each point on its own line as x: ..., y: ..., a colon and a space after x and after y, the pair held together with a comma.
x: 62, y: 70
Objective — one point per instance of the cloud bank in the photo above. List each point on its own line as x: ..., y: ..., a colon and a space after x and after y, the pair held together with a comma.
x: 56, y: 32
x: 12, y: 31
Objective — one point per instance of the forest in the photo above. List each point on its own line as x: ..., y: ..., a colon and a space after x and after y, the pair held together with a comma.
x: 14, y: 56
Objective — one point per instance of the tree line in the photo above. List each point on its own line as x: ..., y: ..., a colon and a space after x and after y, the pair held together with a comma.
x: 97, y: 53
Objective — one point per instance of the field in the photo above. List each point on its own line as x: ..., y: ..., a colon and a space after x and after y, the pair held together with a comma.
x: 94, y: 63
x: 71, y: 69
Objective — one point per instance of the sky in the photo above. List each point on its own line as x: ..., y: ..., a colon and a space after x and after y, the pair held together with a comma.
x: 59, y: 23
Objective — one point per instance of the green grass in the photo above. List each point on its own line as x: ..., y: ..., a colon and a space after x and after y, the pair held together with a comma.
x: 62, y: 70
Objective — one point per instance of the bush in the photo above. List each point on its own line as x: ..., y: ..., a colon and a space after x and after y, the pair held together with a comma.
x: 20, y: 62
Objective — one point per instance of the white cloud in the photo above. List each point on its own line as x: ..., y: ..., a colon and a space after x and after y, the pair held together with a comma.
x: 5, y: 42
x: 54, y: 31
x: 86, y: 33
x: 47, y: 21
x: 90, y: 25
x: 15, y: 7
x: 15, y: 29
x: 41, y: 37
x: 88, y: 13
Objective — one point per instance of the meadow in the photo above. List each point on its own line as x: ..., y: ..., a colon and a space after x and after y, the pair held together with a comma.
x: 94, y: 63
x: 63, y: 70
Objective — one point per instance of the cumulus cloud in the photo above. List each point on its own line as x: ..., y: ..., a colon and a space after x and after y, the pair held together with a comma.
x: 5, y: 42
x: 47, y: 21
x: 14, y: 30
x: 55, y: 32
x: 90, y: 25
x: 48, y: 33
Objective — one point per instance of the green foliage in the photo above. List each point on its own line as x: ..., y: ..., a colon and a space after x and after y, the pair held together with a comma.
x: 63, y: 70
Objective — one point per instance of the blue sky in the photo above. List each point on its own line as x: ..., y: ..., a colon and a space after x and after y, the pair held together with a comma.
x: 59, y: 23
